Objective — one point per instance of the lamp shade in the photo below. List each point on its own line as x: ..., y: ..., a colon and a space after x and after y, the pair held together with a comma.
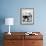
x: 9, y: 21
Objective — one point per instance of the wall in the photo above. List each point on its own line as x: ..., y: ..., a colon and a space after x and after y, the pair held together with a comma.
x: 11, y: 8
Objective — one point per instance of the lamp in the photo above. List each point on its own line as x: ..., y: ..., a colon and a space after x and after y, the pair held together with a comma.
x: 9, y: 21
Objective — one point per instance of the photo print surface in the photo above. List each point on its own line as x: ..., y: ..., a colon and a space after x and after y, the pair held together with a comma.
x: 27, y: 15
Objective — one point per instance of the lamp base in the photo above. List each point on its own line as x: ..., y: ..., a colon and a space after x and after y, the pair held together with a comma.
x: 9, y: 33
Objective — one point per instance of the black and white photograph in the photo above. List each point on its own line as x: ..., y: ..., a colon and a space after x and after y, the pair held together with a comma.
x: 27, y: 15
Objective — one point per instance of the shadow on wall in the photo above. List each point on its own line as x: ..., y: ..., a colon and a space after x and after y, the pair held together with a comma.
x: 1, y: 39
x: 2, y: 21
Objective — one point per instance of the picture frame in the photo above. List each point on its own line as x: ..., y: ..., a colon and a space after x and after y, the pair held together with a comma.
x: 27, y: 15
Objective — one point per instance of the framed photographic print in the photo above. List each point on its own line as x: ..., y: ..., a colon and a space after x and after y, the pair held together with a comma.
x: 26, y: 15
